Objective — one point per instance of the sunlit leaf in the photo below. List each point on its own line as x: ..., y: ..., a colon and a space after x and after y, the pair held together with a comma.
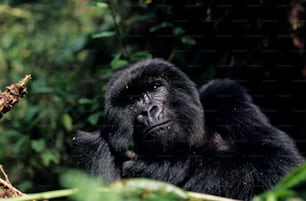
x: 104, y: 34
x: 137, y: 56
x: 97, y: 4
x: 148, y: 190
x: 88, y: 187
x: 94, y: 118
x: 85, y: 101
x: 50, y: 156
x: 67, y: 122
x: 188, y: 40
x: 117, y: 64
x: 296, y: 177
x: 38, y: 145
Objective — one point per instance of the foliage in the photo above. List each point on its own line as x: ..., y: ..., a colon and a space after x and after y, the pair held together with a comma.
x: 128, y: 190
x: 81, y: 187
x: 292, y: 187
x: 35, y: 137
x: 72, y: 47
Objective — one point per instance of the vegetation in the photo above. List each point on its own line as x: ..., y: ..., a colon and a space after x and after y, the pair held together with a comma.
x: 72, y: 47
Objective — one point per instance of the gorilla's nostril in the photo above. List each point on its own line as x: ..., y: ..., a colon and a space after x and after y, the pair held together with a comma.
x: 144, y: 113
x: 153, y: 110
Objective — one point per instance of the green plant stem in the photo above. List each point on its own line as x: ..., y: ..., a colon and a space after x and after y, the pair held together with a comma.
x: 44, y: 195
x: 204, y: 197
x: 113, y: 5
x: 68, y: 192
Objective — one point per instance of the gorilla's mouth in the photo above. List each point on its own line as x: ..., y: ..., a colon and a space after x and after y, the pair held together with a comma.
x: 156, y: 126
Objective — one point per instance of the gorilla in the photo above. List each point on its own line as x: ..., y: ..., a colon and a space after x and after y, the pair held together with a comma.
x: 158, y: 125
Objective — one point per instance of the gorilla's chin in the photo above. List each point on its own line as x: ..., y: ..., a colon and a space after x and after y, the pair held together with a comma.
x: 149, y: 144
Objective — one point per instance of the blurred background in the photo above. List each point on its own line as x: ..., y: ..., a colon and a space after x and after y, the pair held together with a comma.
x: 72, y: 47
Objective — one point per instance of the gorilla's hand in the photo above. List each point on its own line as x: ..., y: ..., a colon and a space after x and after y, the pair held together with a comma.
x: 90, y: 148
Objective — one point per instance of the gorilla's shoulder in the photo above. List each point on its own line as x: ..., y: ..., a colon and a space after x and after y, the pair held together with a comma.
x: 224, y: 88
x: 87, y: 138
x: 223, y: 91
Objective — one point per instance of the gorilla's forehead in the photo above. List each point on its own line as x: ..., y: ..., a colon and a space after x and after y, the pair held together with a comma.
x: 147, y: 70
x: 144, y: 72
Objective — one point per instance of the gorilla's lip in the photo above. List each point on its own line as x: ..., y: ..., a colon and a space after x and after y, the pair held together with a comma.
x: 157, y: 125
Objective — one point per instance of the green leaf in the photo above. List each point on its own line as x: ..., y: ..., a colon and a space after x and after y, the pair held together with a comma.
x: 97, y: 4
x: 78, y: 44
x: 160, y: 26
x: 188, y: 40
x: 291, y: 186
x: 67, y: 122
x: 148, y: 190
x: 117, y: 64
x: 12, y: 133
x: 50, y: 156
x: 178, y: 31
x: 85, y: 101
x: 31, y: 113
x: 94, y: 118
x: 38, y: 145
x: 87, y: 187
x: 296, y: 177
x: 137, y: 56
x: 104, y: 34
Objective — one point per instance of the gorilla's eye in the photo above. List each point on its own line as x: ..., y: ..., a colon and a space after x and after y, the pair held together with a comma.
x: 154, y: 86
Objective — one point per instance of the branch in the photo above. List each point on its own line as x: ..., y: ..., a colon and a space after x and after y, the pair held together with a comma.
x: 13, y: 94
x: 6, y: 186
x: 44, y: 196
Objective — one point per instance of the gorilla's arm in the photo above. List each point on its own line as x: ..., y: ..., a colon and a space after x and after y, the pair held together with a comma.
x: 94, y: 155
x: 237, y: 125
x: 169, y: 169
x: 244, y: 144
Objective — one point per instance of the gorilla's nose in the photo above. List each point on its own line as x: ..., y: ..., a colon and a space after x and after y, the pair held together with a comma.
x: 149, y: 114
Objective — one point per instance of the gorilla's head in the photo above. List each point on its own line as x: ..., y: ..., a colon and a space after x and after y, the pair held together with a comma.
x: 152, y: 107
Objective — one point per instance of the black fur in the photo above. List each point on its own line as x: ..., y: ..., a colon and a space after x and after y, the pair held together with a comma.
x: 236, y: 153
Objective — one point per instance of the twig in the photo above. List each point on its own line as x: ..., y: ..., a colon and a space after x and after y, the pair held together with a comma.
x: 4, y: 174
x: 13, y: 94
x: 7, y: 184
x: 44, y: 195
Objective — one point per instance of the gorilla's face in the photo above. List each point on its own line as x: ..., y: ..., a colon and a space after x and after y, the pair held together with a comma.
x: 153, y: 109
